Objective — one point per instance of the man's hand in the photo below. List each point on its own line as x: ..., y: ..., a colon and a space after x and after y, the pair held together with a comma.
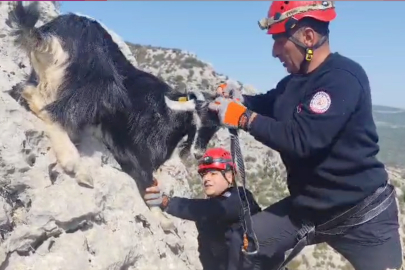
x: 230, y: 90
x: 229, y: 112
x: 154, y: 197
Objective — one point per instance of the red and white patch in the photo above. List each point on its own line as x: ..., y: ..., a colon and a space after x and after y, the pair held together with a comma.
x: 320, y: 102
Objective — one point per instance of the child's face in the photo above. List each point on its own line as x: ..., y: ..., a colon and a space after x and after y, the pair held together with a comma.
x: 215, y: 183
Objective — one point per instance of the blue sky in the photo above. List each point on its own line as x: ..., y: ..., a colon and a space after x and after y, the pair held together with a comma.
x: 225, y: 34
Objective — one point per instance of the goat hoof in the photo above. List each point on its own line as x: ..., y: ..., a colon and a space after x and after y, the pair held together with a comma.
x: 198, y: 153
x: 85, y: 180
x: 26, y: 95
x: 166, y: 223
x: 68, y: 163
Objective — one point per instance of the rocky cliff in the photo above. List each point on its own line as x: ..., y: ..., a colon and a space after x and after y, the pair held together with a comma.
x: 47, y: 221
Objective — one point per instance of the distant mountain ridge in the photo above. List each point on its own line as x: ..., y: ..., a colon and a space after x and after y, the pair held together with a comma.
x: 387, y: 109
x: 390, y: 123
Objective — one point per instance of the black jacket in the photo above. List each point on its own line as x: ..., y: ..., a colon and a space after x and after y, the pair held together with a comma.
x: 322, y: 125
x: 216, y: 220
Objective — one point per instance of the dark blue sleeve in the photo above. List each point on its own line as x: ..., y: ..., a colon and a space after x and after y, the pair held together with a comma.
x: 263, y: 103
x: 322, y: 116
x: 219, y: 208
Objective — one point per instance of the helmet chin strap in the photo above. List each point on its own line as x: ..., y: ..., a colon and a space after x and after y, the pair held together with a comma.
x: 309, y: 51
x: 223, y: 174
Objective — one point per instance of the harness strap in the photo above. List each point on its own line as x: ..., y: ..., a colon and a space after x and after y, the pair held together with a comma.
x: 309, y: 51
x: 304, y: 238
x: 246, y: 218
x: 341, y: 223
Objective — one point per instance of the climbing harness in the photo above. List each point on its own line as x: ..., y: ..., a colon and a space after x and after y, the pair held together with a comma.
x: 355, y: 216
x: 246, y: 218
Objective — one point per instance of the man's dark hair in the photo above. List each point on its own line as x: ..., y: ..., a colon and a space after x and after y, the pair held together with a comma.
x: 322, y: 28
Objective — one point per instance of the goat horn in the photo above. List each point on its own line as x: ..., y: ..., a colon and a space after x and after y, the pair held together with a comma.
x: 180, y: 105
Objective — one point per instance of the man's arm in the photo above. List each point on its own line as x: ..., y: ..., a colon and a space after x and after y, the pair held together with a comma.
x: 221, y: 208
x: 324, y: 112
x: 264, y: 103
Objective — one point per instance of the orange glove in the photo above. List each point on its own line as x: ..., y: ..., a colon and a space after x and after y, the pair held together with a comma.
x: 229, y: 112
x: 230, y: 90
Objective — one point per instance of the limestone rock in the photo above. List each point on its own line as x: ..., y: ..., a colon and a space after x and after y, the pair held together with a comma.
x: 48, y: 221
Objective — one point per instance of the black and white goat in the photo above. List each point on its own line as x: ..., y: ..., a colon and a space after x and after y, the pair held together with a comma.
x: 80, y: 78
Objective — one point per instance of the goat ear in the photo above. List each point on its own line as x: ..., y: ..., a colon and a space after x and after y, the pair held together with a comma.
x: 196, y: 95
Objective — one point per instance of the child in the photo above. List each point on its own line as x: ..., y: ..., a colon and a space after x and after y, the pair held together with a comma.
x: 216, y: 217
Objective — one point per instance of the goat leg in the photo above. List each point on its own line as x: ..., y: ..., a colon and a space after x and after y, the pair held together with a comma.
x: 143, y: 177
x: 67, y: 154
x: 185, y: 147
x: 166, y: 223
x: 65, y: 151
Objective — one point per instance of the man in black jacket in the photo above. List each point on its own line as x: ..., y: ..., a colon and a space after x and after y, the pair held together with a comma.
x: 217, y: 217
x: 319, y: 118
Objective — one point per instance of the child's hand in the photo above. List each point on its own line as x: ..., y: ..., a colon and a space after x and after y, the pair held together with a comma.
x: 153, y: 197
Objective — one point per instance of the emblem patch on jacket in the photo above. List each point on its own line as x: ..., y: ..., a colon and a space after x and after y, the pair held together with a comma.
x: 320, y: 102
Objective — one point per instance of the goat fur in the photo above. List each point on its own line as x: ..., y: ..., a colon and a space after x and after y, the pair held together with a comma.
x: 81, y: 78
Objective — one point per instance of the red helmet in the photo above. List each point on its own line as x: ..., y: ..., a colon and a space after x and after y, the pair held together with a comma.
x: 283, y: 15
x: 217, y: 159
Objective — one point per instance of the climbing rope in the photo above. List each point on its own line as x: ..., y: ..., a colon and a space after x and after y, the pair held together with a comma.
x: 239, y: 172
